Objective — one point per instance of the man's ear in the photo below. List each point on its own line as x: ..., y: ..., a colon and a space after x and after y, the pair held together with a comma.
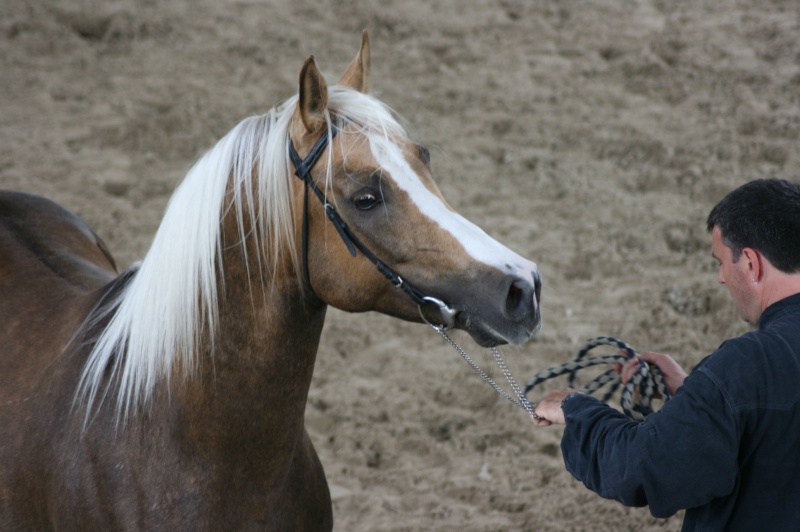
x: 754, y: 263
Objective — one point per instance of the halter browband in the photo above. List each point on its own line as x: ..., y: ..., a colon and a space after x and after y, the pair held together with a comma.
x: 303, y: 171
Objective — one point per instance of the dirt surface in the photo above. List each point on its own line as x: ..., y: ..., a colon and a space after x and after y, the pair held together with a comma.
x: 592, y: 137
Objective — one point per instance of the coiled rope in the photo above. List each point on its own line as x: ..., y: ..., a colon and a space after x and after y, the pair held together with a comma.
x: 647, y: 379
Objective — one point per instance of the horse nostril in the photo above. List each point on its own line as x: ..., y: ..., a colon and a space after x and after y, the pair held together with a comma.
x: 537, y: 287
x: 519, y: 300
x: 523, y: 297
x: 514, y: 296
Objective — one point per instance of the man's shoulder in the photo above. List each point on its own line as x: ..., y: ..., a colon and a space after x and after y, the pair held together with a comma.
x: 758, y: 362
x: 734, y: 351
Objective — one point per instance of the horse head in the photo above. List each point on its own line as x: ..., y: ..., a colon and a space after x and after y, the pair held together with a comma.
x: 376, y: 186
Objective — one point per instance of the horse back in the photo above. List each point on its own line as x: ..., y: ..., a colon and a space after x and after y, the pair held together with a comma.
x: 53, y: 268
x: 42, y: 239
x: 50, y: 264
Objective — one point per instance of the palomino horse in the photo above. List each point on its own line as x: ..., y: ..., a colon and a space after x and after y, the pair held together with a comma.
x: 172, y: 396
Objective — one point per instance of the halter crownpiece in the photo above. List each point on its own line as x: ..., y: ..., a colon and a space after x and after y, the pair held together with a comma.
x: 303, y: 171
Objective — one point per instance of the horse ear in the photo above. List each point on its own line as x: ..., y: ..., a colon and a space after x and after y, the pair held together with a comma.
x: 357, y: 74
x: 313, y: 98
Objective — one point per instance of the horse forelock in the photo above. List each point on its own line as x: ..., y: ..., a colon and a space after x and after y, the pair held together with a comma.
x: 156, y: 322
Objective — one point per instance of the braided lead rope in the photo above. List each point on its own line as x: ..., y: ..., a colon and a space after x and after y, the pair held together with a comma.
x: 522, y: 400
x: 647, y: 379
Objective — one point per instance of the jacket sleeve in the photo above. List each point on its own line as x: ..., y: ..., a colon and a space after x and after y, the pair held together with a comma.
x: 680, y: 457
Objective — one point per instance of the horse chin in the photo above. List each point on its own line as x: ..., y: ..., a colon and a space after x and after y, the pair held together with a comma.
x: 486, y: 340
x: 487, y: 336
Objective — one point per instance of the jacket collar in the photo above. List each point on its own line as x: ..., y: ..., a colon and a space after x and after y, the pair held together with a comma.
x: 791, y: 302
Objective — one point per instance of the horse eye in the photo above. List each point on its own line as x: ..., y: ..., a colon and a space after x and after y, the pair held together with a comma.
x: 366, y: 200
x: 424, y: 154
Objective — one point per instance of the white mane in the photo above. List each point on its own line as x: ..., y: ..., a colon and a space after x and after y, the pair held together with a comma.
x: 156, y: 320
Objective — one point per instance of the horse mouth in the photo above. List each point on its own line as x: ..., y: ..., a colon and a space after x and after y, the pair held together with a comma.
x: 486, y: 335
x: 514, y: 320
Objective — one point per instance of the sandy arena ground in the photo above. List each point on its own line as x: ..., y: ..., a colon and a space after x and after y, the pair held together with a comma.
x: 590, y: 136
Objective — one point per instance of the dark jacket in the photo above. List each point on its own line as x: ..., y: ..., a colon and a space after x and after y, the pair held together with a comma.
x: 726, y: 447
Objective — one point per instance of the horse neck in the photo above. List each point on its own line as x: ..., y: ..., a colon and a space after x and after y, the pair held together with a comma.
x: 252, y: 386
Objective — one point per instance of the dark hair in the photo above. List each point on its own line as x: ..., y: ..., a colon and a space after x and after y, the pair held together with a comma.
x: 764, y: 215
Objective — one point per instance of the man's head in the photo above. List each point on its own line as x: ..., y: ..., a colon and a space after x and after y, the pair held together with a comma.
x: 756, y: 230
x: 763, y: 215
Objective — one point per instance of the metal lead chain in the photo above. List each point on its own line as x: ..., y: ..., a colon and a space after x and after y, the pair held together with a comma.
x: 521, y: 401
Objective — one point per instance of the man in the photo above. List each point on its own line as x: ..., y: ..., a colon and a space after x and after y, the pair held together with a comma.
x: 726, y: 447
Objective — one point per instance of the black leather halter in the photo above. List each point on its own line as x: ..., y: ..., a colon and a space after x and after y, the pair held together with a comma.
x: 303, y: 171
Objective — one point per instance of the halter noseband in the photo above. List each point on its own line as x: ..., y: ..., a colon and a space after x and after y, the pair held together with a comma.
x: 303, y: 171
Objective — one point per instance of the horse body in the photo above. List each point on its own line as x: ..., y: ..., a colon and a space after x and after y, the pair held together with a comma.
x: 172, y: 396
x: 217, y: 451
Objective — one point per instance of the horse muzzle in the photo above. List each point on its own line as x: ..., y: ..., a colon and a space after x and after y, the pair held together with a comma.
x: 513, y: 318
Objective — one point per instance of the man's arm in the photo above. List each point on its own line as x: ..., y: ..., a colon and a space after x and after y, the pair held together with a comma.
x: 680, y: 457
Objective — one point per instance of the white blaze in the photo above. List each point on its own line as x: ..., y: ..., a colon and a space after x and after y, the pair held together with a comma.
x: 472, y: 238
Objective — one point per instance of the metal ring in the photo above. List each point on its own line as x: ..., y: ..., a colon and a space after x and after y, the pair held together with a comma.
x: 447, y: 313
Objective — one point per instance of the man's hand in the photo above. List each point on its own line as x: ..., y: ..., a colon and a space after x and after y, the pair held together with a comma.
x: 549, y: 408
x: 673, y: 373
